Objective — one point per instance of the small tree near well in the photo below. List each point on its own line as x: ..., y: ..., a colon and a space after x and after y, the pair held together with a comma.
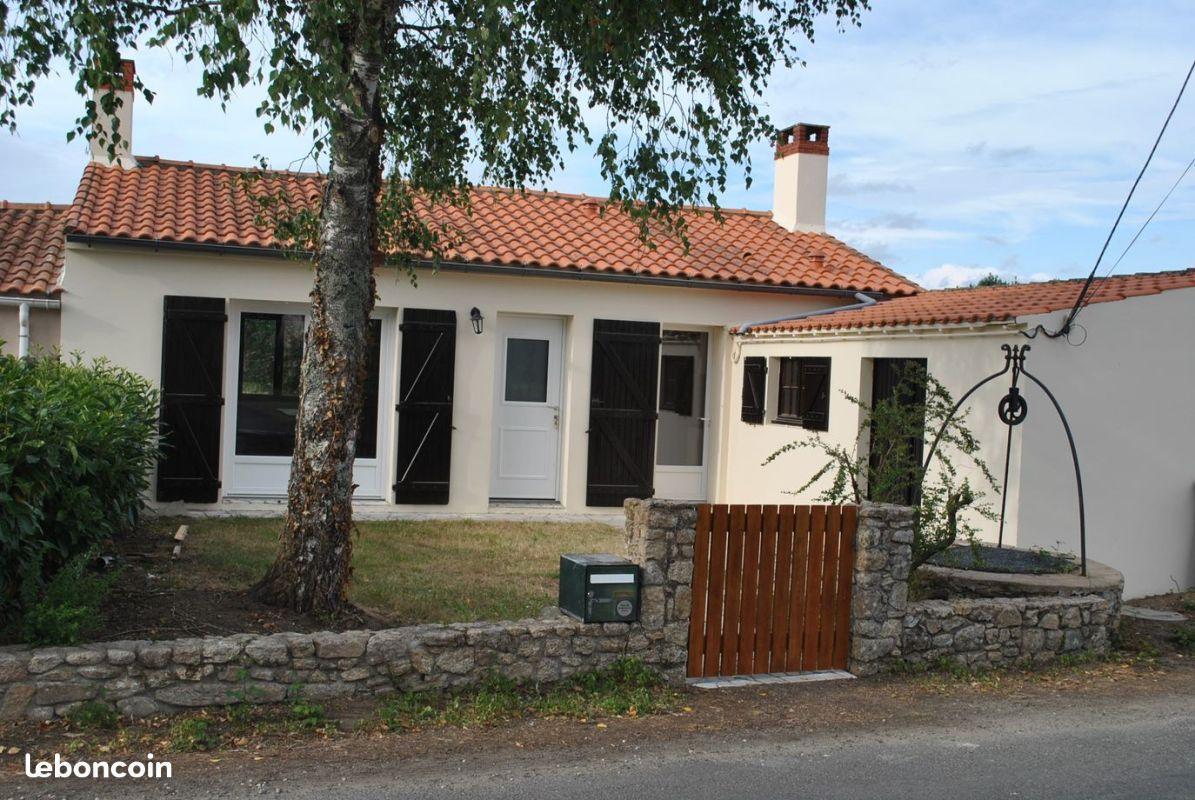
x: 883, y: 463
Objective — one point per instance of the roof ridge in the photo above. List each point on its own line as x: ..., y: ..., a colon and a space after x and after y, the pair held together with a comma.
x: 1060, y: 281
x: 554, y: 193
x: 10, y: 205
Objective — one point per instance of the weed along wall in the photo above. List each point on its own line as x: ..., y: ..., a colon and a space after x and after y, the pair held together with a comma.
x: 143, y: 678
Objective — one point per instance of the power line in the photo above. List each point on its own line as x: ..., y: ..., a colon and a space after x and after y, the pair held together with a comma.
x: 1137, y: 235
x: 1070, y: 318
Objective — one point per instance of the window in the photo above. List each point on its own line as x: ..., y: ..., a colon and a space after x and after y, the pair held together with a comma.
x: 676, y: 385
x: 268, y: 388
x: 755, y: 374
x: 268, y: 393
x: 526, y: 370
x: 803, y: 393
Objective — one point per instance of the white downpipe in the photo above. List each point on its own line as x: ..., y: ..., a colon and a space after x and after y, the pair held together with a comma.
x: 23, y: 331
x: 864, y: 302
x: 23, y: 305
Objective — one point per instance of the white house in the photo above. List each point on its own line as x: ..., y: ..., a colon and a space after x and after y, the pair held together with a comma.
x: 554, y: 364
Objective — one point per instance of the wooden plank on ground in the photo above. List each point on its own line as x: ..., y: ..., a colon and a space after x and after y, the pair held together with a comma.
x: 699, y: 591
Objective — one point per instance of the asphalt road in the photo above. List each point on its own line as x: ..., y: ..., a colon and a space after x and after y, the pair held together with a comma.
x: 1143, y: 748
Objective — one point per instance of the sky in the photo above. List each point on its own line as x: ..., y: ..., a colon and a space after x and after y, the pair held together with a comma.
x: 966, y: 138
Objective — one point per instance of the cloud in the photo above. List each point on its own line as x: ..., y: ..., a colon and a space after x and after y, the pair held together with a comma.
x: 951, y: 275
x: 845, y: 185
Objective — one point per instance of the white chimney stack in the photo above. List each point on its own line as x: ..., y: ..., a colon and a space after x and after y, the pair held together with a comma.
x: 799, y: 189
x: 123, y: 116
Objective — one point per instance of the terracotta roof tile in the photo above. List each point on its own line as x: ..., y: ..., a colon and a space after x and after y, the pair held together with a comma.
x: 192, y: 203
x: 986, y: 304
x: 31, y: 248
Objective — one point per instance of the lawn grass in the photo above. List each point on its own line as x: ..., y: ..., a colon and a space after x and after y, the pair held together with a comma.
x: 417, y: 571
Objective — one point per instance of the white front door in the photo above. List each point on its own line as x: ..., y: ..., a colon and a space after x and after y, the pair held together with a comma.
x: 526, y: 451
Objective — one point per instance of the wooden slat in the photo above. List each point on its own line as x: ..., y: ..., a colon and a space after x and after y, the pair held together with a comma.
x: 734, y: 584
x: 717, y: 582
x: 846, y: 576
x: 765, y: 601
x: 813, y: 587
x: 796, y: 601
x: 699, y: 591
x: 750, y: 592
x: 825, y: 639
x: 785, y: 524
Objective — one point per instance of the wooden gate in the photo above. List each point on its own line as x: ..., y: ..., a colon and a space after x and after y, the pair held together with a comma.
x: 771, y: 589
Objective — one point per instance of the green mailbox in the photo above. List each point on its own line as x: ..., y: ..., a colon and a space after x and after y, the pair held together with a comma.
x: 599, y: 588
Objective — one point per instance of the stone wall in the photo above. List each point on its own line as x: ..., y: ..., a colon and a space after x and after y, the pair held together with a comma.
x: 992, y: 632
x: 1055, y: 615
x: 879, y: 596
x: 142, y: 678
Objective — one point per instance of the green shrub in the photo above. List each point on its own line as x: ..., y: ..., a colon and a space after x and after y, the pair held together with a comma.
x: 62, y: 609
x: 77, y: 443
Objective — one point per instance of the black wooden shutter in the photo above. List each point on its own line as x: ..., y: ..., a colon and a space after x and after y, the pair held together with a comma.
x: 755, y: 377
x: 425, y: 385
x: 815, y: 393
x: 192, y: 396
x: 622, y: 411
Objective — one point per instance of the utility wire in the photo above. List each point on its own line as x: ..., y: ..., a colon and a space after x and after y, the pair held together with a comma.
x: 1095, y: 292
x: 1070, y: 318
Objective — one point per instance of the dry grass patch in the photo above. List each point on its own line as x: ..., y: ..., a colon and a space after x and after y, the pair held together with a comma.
x: 417, y: 571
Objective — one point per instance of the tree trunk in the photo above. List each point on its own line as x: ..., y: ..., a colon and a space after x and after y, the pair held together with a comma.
x: 313, y: 565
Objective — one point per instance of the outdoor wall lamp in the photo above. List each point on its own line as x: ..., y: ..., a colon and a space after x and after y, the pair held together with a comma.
x: 476, y: 318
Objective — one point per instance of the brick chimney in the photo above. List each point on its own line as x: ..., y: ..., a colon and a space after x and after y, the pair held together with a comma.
x: 799, y: 188
x: 123, y: 116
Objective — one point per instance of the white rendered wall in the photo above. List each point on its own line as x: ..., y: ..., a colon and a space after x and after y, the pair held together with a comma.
x: 43, y: 329
x: 112, y: 306
x: 1129, y: 393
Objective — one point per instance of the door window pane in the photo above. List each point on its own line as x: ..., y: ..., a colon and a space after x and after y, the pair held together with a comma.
x: 527, y: 370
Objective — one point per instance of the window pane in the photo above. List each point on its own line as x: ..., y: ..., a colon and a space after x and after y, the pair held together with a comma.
x: 676, y: 385
x: 257, y: 354
x: 271, y: 353
x: 367, y: 432
x: 292, y: 354
x: 527, y: 370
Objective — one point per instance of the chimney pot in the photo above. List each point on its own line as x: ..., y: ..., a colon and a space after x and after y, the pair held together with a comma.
x: 801, y: 168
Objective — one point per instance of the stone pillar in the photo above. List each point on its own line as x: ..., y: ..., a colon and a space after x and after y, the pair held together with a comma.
x: 883, y: 555
x: 660, y: 536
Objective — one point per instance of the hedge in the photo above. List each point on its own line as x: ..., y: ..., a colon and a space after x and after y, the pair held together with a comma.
x: 77, y: 443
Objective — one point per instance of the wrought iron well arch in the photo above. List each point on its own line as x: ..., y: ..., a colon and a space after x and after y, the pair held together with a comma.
x: 1013, y: 410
